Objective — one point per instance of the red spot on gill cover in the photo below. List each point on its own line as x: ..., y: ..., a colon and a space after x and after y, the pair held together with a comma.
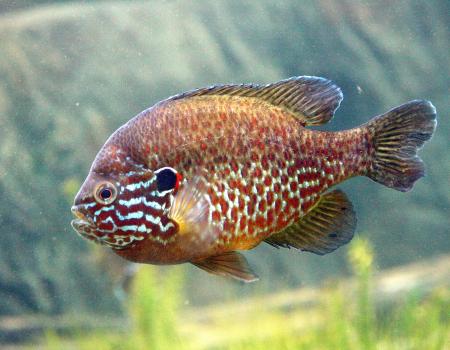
x: 178, y: 181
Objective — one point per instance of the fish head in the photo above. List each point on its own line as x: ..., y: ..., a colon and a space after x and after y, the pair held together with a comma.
x: 123, y: 202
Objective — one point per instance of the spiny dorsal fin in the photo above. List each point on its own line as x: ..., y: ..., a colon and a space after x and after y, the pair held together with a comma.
x: 230, y: 264
x: 313, y: 100
x: 330, y: 224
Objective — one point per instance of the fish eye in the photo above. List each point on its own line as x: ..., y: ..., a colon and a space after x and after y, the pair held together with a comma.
x: 167, y: 179
x: 105, y: 193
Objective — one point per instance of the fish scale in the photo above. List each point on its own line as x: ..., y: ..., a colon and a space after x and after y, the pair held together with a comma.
x: 302, y: 168
x: 203, y: 174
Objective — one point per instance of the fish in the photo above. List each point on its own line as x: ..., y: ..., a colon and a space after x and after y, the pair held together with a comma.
x: 203, y: 175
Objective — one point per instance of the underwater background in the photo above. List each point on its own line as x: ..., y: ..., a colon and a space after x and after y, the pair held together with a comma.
x: 72, y: 72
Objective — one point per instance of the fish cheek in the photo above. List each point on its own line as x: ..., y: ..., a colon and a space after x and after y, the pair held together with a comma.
x: 86, y: 231
x: 105, y: 226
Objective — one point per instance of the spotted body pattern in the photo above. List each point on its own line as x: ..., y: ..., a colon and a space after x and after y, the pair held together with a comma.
x: 246, y: 170
x: 262, y: 173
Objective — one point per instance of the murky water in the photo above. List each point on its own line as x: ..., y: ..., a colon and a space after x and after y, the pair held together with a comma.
x: 72, y: 73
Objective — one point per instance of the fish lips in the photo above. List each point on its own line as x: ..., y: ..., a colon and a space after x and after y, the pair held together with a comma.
x: 83, y: 224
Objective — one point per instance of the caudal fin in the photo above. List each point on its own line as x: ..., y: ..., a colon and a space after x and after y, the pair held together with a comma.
x: 397, y: 136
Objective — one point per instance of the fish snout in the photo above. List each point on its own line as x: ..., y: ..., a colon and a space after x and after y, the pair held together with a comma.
x: 82, y: 216
x: 80, y: 198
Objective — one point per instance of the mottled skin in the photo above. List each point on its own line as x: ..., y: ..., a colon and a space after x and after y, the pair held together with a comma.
x: 262, y: 168
x: 215, y: 170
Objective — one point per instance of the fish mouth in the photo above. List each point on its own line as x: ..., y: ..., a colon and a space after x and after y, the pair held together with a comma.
x: 82, y: 219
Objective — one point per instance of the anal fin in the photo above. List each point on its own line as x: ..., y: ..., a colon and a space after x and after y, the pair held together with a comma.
x: 230, y: 264
x: 328, y: 225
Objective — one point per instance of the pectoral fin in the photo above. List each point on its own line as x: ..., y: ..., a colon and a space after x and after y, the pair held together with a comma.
x: 330, y: 224
x: 230, y: 264
x: 190, y: 208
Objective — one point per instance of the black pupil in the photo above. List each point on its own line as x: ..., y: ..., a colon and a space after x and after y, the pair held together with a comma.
x: 105, y: 193
x: 166, y: 179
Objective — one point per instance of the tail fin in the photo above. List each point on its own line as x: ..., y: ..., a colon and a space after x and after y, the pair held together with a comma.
x: 397, y: 136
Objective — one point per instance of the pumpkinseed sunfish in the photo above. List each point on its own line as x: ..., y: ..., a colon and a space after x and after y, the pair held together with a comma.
x: 206, y: 173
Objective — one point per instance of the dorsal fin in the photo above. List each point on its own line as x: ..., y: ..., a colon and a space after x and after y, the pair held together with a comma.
x: 313, y: 100
x: 330, y: 224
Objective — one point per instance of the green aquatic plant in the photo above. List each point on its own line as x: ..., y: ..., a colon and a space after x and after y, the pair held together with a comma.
x: 360, y: 257
x: 345, y: 316
x: 154, y: 307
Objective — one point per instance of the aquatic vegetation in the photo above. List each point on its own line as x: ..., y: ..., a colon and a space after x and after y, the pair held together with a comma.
x: 344, y: 318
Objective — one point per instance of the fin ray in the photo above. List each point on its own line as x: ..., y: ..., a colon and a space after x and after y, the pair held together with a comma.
x: 230, y: 264
x: 190, y: 209
x: 330, y: 224
x: 397, y: 136
x: 312, y: 100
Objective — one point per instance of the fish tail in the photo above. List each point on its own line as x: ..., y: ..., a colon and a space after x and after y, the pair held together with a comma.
x: 397, y: 137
